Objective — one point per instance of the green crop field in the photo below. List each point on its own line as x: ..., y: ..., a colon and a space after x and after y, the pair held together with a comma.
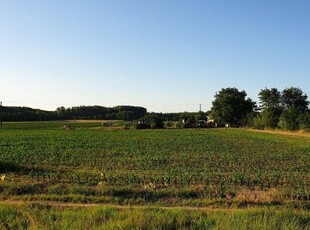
x: 226, y: 169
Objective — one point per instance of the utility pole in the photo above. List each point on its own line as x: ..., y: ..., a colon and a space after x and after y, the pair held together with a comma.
x: 0, y: 113
x: 199, y: 107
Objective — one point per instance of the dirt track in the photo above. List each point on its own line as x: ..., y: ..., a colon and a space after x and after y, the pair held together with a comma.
x: 299, y: 133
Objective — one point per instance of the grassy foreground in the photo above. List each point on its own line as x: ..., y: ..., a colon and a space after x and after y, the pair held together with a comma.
x: 37, y: 216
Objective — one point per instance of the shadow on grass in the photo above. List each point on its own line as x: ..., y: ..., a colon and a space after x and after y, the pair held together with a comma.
x: 6, y: 167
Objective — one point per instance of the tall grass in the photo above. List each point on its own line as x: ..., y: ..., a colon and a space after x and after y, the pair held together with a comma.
x: 47, y: 217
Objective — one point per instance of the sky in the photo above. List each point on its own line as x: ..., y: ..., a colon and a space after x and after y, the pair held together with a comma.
x: 165, y: 55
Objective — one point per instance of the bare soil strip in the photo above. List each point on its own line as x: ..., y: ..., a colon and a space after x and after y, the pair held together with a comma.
x: 300, y: 133
x: 91, y: 121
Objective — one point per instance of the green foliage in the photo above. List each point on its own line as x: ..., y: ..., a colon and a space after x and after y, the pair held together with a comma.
x: 270, y: 98
x: 142, y: 125
x: 270, y: 104
x: 281, y: 109
x: 231, y: 106
x: 294, y: 98
x: 128, y: 113
x: 289, y: 119
x: 270, y: 117
x: 131, y: 112
x: 157, y: 123
x: 193, y: 119
x: 37, y: 216
x: 152, y: 120
x: 26, y: 114
x: 170, y: 124
x: 12, y: 218
x: 304, y: 121
x: 258, y: 122
x: 149, y: 166
x: 125, y: 115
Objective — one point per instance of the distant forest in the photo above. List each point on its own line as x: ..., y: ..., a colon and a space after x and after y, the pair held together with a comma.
x: 127, y: 113
x: 78, y: 112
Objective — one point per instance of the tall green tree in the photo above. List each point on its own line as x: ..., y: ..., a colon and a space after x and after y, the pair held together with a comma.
x: 270, y: 105
x: 294, y: 97
x: 281, y: 109
x: 295, y: 104
x: 231, y: 106
x: 269, y: 98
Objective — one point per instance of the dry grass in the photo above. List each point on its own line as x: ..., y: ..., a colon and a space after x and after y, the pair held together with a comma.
x: 299, y: 133
x: 92, y: 121
x: 259, y: 196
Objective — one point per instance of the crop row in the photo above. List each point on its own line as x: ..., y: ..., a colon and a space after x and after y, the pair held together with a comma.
x: 217, y: 159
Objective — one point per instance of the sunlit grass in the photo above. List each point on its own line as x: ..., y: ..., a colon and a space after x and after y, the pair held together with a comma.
x: 48, y: 217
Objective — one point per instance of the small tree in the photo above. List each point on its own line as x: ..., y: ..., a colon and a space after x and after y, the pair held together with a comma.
x: 157, y: 123
x: 270, y: 117
x: 258, y: 122
x: 288, y: 119
x: 304, y: 121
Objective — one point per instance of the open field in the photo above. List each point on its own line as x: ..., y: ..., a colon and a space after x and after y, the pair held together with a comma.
x: 229, y: 169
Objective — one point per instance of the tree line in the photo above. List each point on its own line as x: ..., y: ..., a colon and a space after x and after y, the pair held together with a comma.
x: 128, y: 113
x: 14, y: 113
x: 122, y: 112
x: 287, y: 109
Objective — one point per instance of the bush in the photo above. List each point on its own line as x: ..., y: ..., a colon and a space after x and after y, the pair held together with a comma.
x: 304, y: 121
x: 157, y: 123
x: 258, y: 122
x: 142, y: 126
x: 106, y: 124
x: 270, y: 117
x: 289, y: 119
x: 152, y: 121
x: 169, y: 124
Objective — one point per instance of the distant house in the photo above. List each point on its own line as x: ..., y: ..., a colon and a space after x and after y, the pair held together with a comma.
x: 210, y: 119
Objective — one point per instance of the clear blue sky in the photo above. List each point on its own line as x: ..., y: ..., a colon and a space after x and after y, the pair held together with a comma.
x: 162, y: 54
